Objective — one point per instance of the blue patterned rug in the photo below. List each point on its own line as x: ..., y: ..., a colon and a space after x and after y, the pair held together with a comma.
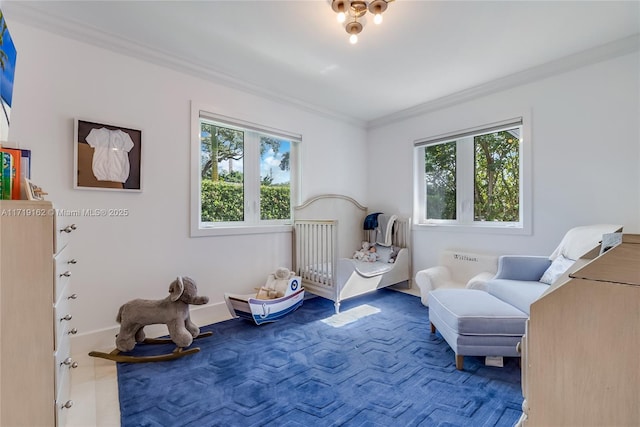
x: 375, y: 364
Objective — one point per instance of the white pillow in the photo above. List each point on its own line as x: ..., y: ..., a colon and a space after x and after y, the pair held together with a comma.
x: 384, y: 253
x: 556, y: 269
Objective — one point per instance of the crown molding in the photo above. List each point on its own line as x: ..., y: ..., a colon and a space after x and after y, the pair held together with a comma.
x: 29, y: 15
x: 24, y: 13
x: 601, y: 53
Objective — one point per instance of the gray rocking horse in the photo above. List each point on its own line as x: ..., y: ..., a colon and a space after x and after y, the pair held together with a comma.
x: 172, y: 311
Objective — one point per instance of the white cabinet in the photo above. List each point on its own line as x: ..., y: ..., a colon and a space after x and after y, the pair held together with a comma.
x: 36, y: 320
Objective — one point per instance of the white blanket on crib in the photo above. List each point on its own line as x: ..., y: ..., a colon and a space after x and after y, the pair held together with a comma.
x: 366, y: 269
x: 371, y: 269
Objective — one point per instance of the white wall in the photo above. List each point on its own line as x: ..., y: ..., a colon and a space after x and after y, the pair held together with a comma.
x: 137, y: 256
x: 586, y: 152
x: 585, y: 166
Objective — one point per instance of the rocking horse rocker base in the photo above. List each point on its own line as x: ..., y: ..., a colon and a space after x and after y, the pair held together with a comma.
x: 117, y: 356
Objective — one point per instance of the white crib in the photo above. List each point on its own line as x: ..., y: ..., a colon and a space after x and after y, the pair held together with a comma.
x: 327, y: 230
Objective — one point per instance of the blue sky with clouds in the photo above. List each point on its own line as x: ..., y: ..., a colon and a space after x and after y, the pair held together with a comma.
x: 269, y: 164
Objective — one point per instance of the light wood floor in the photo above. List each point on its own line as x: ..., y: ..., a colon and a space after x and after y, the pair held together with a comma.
x: 94, y: 389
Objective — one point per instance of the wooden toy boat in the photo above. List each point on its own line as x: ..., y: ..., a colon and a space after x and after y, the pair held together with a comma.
x: 266, y: 310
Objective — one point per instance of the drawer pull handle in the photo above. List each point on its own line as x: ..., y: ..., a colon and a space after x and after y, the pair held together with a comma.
x: 72, y: 261
x: 73, y: 331
x: 66, y: 274
x: 67, y: 317
x: 72, y: 296
x: 69, y: 228
x: 67, y: 405
x: 518, y: 348
x: 69, y: 362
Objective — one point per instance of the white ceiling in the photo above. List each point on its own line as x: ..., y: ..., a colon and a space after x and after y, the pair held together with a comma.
x: 296, y: 51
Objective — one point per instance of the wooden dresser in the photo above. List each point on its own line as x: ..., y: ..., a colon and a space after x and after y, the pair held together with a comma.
x: 35, y: 314
x: 581, y: 350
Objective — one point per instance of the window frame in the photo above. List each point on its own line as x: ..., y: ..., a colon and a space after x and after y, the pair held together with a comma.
x: 465, y: 221
x: 252, y: 223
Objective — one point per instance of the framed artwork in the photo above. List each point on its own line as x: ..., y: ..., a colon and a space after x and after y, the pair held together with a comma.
x: 7, y: 71
x: 107, y: 157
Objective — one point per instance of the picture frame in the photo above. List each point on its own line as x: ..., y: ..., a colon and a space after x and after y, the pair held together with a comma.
x: 32, y: 191
x: 107, y: 157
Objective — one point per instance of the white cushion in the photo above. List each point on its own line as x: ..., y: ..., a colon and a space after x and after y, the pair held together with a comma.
x: 384, y: 253
x: 580, y: 240
x: 479, y: 281
x: 371, y: 269
x: 519, y: 293
x: 556, y: 269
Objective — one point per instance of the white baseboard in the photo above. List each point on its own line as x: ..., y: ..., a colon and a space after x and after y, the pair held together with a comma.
x: 104, y: 339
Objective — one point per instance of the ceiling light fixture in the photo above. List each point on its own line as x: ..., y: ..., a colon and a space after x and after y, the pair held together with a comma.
x: 355, y: 10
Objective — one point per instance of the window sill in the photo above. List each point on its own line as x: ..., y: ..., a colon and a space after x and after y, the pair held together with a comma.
x: 513, y: 229
x: 240, y: 230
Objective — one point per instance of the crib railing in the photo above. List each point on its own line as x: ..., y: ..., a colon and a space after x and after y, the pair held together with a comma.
x: 316, y: 252
x: 316, y: 248
x: 402, y: 233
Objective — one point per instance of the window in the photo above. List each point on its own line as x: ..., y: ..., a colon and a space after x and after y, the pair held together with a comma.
x: 473, y: 178
x: 243, y: 176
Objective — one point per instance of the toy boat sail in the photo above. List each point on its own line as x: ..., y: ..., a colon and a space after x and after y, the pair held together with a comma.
x: 266, y: 310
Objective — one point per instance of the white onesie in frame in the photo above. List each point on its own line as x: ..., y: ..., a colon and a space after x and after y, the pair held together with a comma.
x: 110, y: 156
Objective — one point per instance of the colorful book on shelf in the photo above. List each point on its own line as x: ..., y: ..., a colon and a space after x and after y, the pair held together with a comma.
x: 16, y: 172
x: 6, y: 175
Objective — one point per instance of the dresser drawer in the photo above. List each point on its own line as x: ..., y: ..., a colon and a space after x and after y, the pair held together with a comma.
x: 62, y: 312
x: 63, y: 363
x: 64, y: 367
x: 63, y: 402
x: 63, y: 229
x: 64, y: 263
